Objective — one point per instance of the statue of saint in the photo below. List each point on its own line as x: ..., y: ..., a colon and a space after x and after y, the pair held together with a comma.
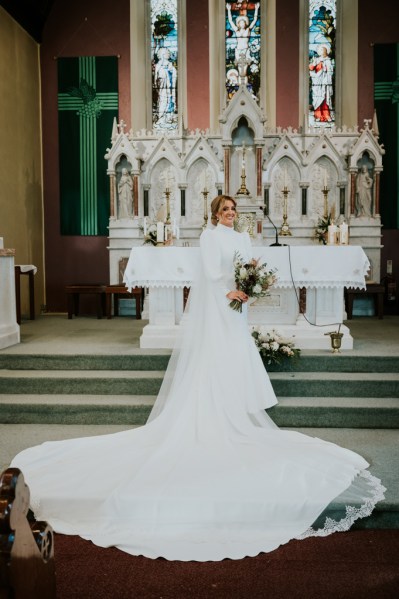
x: 364, y: 186
x: 125, y: 195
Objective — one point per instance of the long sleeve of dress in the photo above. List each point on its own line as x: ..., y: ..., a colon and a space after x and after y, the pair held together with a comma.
x: 211, y: 258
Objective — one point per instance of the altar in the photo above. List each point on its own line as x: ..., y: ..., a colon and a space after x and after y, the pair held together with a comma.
x: 323, y: 272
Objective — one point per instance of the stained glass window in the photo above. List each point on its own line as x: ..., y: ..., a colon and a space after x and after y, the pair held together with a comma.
x: 242, y: 46
x: 322, y: 36
x: 164, y: 60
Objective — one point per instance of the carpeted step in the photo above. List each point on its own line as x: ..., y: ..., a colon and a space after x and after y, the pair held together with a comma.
x: 134, y: 410
x: 378, y: 446
x: 112, y: 382
x: 158, y: 360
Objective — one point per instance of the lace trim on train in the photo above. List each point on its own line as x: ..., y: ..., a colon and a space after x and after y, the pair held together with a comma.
x: 352, y: 513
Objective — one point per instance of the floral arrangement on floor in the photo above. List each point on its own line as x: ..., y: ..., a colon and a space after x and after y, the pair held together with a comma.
x: 272, y: 346
x: 252, y: 278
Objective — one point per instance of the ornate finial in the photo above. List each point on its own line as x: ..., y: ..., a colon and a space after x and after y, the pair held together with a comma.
x: 122, y: 126
x: 367, y: 123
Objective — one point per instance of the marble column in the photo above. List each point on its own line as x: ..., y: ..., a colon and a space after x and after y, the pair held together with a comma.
x: 9, y: 329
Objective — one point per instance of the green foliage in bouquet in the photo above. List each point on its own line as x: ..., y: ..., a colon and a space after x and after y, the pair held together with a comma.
x: 252, y: 278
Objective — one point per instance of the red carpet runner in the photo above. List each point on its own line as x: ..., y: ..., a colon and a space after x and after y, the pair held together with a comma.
x: 352, y: 565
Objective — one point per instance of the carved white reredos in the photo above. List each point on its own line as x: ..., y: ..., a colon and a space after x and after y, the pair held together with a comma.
x: 304, y: 159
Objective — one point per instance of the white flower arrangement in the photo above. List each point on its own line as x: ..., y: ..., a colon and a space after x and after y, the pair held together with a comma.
x: 272, y: 346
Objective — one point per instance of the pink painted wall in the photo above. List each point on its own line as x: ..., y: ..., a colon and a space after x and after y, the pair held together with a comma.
x: 71, y: 259
x: 197, y: 65
x: 287, y: 63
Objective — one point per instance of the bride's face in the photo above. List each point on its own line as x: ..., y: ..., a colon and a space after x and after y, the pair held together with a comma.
x: 227, y: 214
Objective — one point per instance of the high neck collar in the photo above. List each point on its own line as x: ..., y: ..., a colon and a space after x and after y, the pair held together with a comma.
x: 221, y: 227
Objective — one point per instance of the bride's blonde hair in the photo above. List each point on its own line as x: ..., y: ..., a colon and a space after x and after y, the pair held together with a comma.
x: 217, y: 204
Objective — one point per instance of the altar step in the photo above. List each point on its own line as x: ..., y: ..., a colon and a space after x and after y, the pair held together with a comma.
x: 142, y: 382
x: 129, y: 410
x: 158, y: 360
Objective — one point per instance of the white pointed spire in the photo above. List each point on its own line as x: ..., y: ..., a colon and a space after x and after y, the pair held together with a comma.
x: 114, y: 130
x: 374, y: 124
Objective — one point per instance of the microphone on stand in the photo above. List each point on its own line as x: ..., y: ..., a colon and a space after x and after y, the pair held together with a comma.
x: 276, y: 244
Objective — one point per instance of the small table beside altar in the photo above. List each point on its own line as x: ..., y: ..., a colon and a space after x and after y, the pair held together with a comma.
x: 324, y: 271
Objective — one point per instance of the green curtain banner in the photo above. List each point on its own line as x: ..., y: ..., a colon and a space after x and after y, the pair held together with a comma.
x: 87, y: 105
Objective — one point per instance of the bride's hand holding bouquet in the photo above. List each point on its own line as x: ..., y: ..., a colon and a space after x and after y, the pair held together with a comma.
x: 253, y: 280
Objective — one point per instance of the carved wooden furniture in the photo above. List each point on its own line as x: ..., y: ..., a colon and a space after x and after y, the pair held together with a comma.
x: 26, y: 546
x: 75, y: 291
x: 374, y: 289
x: 121, y: 290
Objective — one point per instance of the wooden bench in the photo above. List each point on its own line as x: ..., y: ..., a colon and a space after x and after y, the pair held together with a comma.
x: 75, y: 291
x: 27, y: 546
x: 31, y: 282
x: 374, y: 289
x: 118, y: 290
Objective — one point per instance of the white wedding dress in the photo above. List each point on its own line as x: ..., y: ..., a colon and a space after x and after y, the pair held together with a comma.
x: 210, y: 476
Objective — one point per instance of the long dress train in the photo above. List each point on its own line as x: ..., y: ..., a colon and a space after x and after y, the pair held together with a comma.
x: 210, y: 475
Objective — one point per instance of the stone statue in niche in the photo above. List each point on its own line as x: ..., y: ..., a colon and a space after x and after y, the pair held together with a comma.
x: 125, y: 195
x: 364, y: 197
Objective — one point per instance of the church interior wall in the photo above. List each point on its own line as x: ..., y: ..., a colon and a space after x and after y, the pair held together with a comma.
x: 287, y: 63
x: 376, y: 27
x: 197, y: 65
x: 107, y: 31
x: 75, y: 259
x: 21, y: 211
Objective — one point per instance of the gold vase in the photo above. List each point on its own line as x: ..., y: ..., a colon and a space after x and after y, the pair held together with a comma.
x: 335, y: 341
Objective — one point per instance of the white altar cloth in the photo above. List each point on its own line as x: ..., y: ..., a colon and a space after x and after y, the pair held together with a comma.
x: 312, y: 266
x: 323, y: 270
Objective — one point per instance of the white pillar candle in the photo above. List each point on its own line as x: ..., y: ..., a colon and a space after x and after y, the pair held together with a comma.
x: 160, y: 232
x: 285, y: 178
x: 325, y: 178
x: 343, y: 234
x: 332, y: 234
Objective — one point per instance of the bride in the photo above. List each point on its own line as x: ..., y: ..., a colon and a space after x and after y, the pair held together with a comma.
x: 210, y: 476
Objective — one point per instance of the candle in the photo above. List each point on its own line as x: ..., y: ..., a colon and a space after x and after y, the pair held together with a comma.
x: 160, y: 232
x: 343, y: 233
x: 167, y: 181
x: 177, y: 232
x: 285, y: 178
x: 332, y: 234
x: 325, y: 178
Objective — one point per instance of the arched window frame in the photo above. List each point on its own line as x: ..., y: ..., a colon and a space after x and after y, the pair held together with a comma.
x: 140, y: 52
x: 304, y: 85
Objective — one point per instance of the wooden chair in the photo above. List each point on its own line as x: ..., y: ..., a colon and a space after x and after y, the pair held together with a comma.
x: 27, y: 547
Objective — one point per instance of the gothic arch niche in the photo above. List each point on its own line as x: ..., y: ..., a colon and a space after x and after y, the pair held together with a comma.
x: 243, y: 136
x: 200, y: 176
x: 285, y: 174
x: 163, y: 176
x: 323, y: 173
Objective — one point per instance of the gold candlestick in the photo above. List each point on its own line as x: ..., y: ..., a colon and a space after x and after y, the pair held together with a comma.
x: 243, y: 188
x: 167, y: 193
x: 285, y: 228
x: 325, y: 191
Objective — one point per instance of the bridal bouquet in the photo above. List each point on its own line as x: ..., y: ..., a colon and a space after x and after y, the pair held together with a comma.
x: 252, y: 278
x: 273, y: 347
